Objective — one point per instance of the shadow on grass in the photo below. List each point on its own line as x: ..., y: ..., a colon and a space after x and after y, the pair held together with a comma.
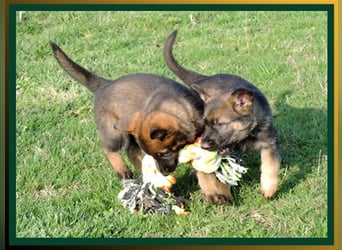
x: 303, y: 141
x: 303, y: 134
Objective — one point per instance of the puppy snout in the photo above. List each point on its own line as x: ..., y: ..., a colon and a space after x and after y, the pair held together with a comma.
x: 167, y: 167
x: 209, y: 145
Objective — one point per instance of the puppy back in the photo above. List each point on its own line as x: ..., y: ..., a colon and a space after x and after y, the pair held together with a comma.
x: 82, y: 75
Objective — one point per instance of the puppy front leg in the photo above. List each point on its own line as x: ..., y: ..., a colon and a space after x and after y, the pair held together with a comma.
x: 135, y: 154
x: 270, y: 164
x: 112, y: 141
x: 115, y: 159
x: 215, y: 192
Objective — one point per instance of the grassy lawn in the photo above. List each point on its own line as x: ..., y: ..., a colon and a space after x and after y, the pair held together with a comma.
x: 66, y: 188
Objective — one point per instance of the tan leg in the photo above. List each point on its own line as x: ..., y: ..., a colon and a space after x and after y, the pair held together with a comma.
x: 270, y: 164
x: 118, y: 164
x: 214, y: 191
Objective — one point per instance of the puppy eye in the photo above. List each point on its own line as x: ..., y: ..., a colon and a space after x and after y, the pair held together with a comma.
x: 216, y: 123
x: 219, y: 124
x: 165, y: 154
x: 159, y: 154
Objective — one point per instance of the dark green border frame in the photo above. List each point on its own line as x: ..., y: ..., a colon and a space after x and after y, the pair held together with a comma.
x: 11, y: 132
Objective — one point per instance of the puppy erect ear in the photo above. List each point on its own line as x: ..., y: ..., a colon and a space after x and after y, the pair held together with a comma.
x: 158, y: 133
x: 204, y: 94
x: 241, y: 101
x: 129, y: 124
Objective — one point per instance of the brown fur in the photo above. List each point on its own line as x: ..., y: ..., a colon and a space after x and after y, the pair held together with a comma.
x: 237, y: 117
x: 215, y: 191
x: 146, y: 114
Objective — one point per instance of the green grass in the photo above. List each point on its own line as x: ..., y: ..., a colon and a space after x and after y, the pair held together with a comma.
x: 66, y: 188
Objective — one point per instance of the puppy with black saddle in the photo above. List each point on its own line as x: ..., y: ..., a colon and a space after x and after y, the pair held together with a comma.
x: 237, y: 117
x: 145, y: 113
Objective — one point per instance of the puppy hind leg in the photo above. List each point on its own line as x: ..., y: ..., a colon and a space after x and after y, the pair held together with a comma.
x: 270, y: 165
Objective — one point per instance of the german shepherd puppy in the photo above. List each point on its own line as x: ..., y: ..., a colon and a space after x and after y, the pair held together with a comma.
x: 146, y: 114
x: 237, y: 117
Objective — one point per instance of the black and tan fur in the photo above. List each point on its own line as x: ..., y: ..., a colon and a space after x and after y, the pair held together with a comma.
x: 237, y: 117
x: 145, y: 113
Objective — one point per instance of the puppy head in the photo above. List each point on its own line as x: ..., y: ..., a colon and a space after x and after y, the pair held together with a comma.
x: 160, y: 135
x: 229, y: 118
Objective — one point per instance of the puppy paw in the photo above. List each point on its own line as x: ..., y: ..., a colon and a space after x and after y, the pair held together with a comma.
x: 268, y: 187
x: 125, y: 175
x: 218, y: 199
x: 214, y: 191
x: 270, y: 165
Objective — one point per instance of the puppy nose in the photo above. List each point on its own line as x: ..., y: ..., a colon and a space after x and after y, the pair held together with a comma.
x: 208, y: 144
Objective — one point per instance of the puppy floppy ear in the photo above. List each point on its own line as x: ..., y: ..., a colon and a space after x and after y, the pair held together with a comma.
x: 241, y: 101
x: 129, y: 124
x: 158, y: 133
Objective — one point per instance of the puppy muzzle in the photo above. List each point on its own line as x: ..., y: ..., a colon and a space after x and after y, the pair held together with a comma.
x: 167, y: 166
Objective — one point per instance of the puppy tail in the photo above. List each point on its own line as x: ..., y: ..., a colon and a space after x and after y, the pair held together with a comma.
x: 187, y: 76
x: 85, y: 77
